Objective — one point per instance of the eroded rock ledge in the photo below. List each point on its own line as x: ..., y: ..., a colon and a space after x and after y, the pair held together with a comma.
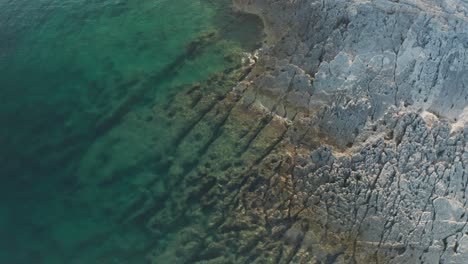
x: 376, y: 95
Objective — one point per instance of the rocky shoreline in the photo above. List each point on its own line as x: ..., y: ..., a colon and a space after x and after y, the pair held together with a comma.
x: 375, y: 101
x: 342, y: 141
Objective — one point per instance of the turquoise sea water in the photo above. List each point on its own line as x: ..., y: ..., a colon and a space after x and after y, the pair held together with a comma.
x: 72, y: 71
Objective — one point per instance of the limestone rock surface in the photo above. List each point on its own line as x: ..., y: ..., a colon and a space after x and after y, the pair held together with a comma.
x: 376, y: 94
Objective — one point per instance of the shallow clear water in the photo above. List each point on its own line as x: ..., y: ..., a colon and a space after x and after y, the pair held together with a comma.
x: 72, y: 71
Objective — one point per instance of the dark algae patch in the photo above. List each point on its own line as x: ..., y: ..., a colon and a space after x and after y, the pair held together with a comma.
x: 108, y: 108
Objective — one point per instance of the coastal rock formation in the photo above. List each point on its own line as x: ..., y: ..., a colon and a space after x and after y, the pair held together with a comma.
x: 344, y: 141
x: 376, y: 94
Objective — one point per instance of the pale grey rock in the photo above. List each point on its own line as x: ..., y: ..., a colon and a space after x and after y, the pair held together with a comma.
x: 382, y: 87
